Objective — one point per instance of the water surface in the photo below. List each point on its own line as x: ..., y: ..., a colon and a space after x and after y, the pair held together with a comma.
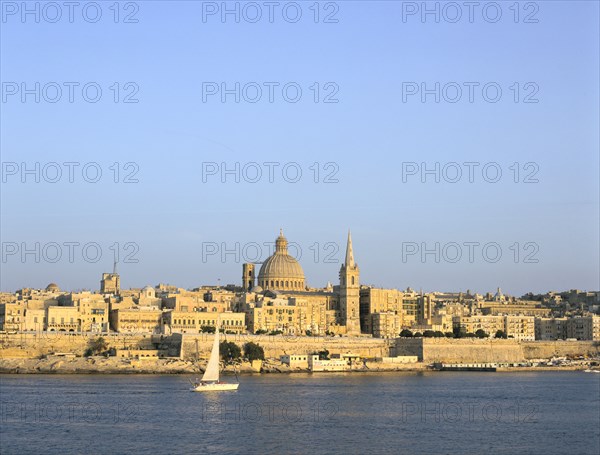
x: 399, y: 413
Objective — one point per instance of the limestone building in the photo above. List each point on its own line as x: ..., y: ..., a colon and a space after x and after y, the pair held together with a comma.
x: 196, y: 321
x: 111, y: 282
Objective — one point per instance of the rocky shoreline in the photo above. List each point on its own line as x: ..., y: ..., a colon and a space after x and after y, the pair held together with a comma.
x: 113, y: 365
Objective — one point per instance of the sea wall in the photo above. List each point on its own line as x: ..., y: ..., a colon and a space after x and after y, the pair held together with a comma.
x: 36, y: 345
x: 547, y: 349
x: 276, y: 346
x: 470, y: 350
x: 189, y: 346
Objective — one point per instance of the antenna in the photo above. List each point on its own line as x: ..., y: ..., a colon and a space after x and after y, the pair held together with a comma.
x: 115, y: 268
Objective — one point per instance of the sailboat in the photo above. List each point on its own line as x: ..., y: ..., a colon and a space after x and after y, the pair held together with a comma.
x: 210, y: 379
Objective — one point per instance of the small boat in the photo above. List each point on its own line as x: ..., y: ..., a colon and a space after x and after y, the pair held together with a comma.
x: 210, y: 379
x: 591, y: 371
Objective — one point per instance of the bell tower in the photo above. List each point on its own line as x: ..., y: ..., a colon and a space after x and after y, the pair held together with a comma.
x: 350, y: 292
x: 248, y: 276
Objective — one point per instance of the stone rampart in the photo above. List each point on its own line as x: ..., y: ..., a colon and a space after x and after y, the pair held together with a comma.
x: 38, y: 344
x: 473, y: 350
x: 278, y: 345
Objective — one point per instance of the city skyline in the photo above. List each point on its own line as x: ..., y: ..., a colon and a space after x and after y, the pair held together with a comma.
x: 250, y: 251
x: 182, y: 158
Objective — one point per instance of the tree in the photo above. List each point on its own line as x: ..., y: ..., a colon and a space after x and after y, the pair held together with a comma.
x: 480, y: 333
x: 275, y: 332
x: 323, y: 355
x: 449, y: 335
x: 208, y: 329
x: 96, y: 346
x: 406, y: 333
x: 260, y: 332
x: 438, y: 334
x: 253, y: 351
x: 459, y: 332
x: 418, y: 335
x: 229, y: 351
x: 428, y: 334
x: 500, y: 334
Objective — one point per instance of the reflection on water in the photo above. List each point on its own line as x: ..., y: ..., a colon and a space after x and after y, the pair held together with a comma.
x: 303, y: 413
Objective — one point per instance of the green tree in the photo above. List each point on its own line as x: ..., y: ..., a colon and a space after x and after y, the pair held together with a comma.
x: 254, y: 351
x: 96, y: 346
x: 323, y: 355
x: 449, y: 335
x: 459, y: 332
x: 500, y: 334
x: 229, y: 351
x: 428, y: 334
x: 406, y: 333
x: 208, y: 329
x: 480, y: 333
x: 275, y: 332
x: 260, y: 332
x: 418, y: 335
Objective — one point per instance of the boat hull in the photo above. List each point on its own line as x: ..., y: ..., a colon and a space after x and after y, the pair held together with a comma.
x: 215, y: 387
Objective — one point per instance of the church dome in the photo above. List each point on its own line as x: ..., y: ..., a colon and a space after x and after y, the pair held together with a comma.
x: 52, y: 287
x: 281, y: 271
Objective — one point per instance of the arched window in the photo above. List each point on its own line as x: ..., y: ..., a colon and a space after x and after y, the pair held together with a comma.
x: 287, y: 284
x: 352, y: 280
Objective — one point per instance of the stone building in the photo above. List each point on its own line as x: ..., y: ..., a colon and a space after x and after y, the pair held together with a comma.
x: 550, y: 328
x: 62, y: 319
x: 193, y: 321
x: 296, y: 314
x: 111, y: 282
x: 136, y: 320
x: 515, y: 326
x: 403, y: 309
x: 584, y: 327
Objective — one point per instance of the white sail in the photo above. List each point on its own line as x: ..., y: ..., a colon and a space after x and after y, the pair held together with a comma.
x: 212, y: 369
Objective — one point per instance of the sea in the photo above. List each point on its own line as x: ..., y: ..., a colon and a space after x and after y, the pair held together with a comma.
x: 325, y: 413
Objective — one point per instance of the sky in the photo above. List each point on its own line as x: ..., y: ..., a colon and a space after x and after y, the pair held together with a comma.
x: 461, y: 148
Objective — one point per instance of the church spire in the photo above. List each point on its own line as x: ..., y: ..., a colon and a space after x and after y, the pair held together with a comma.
x: 349, y: 253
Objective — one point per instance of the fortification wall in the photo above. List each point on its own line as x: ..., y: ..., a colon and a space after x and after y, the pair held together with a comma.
x: 35, y: 345
x: 276, y: 346
x: 472, y: 350
x: 548, y: 349
x: 429, y: 350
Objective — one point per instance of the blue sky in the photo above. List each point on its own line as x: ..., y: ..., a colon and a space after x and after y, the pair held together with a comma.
x: 170, y: 213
